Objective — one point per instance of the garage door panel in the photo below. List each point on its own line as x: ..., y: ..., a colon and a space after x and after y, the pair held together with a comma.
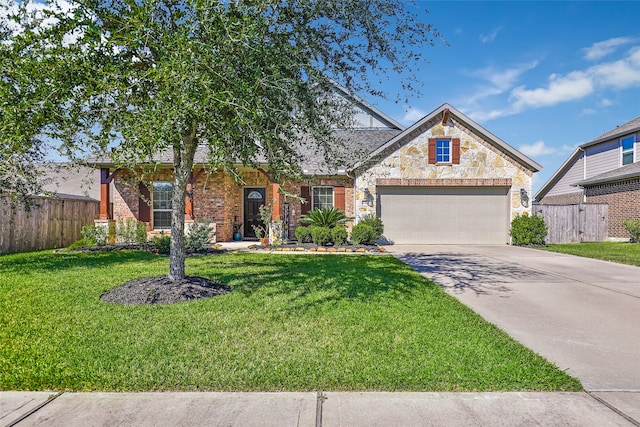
x: 444, y: 215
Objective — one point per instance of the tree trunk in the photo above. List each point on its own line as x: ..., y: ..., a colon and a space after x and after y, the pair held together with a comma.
x: 182, y: 167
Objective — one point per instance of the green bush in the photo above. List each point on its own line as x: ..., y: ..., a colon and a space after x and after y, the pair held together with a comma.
x: 633, y: 227
x: 199, y: 235
x: 528, y: 230
x: 363, y: 234
x: 141, y: 233
x: 126, y: 230
x: 94, y: 235
x: 82, y: 243
x: 325, y: 217
x: 339, y: 235
x: 321, y: 235
x: 303, y: 234
x: 162, y: 243
x: 374, y: 222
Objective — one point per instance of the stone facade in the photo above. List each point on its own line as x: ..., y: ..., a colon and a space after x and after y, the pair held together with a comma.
x: 479, y: 159
x: 623, y: 199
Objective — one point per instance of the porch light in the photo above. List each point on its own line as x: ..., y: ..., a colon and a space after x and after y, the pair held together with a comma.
x: 524, y: 198
x: 367, y: 199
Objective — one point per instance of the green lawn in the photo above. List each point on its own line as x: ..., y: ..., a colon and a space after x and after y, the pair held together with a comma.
x: 292, y: 322
x: 621, y: 252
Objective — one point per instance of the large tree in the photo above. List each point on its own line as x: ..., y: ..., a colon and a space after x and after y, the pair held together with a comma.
x: 245, y: 78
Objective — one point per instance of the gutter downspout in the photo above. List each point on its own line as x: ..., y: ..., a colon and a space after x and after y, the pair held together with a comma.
x: 584, y: 173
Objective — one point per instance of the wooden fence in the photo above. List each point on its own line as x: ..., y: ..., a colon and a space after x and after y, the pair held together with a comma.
x: 51, y: 223
x: 575, y: 223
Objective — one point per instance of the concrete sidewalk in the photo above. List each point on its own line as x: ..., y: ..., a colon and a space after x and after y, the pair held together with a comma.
x: 309, y: 409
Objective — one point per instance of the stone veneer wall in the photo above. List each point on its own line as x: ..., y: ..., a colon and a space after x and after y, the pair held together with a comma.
x: 623, y: 199
x: 478, y: 159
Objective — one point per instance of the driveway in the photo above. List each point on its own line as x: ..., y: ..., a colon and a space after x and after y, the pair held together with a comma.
x: 581, y: 314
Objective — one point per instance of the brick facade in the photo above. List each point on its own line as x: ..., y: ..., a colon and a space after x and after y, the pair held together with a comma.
x: 623, y: 199
x: 216, y: 197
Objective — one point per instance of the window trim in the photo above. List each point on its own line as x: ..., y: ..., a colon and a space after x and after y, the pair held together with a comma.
x: 628, y: 150
x: 154, y: 209
x: 333, y: 195
x: 450, y: 151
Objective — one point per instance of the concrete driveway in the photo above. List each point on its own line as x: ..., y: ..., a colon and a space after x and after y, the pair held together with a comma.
x: 581, y: 314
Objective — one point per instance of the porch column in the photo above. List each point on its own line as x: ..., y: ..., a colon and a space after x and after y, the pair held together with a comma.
x: 189, y: 201
x: 276, y: 202
x: 104, y: 193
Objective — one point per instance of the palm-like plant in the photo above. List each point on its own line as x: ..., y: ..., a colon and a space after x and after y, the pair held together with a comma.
x: 325, y: 217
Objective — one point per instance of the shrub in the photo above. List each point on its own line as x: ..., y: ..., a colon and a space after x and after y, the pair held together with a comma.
x: 303, y: 234
x: 162, y: 243
x: 633, y: 227
x: 363, y: 234
x: 374, y: 222
x: 80, y: 244
x: 528, y: 230
x: 325, y: 217
x: 339, y: 235
x: 141, y: 232
x: 126, y: 230
x: 111, y: 234
x: 199, y: 235
x: 94, y: 235
x: 321, y: 235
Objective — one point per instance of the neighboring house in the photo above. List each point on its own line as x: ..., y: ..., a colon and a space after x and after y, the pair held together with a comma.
x: 603, y: 170
x: 71, y: 181
x: 443, y: 180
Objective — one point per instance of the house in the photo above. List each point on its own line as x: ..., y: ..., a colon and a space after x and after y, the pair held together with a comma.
x: 444, y: 179
x: 603, y: 170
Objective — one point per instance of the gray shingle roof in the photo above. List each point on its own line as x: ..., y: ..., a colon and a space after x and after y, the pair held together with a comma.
x: 357, y: 144
x: 622, y: 173
x: 626, y: 128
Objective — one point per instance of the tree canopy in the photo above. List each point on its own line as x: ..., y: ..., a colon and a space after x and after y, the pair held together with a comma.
x: 244, y: 78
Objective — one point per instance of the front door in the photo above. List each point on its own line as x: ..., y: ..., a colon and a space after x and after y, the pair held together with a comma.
x: 253, y: 199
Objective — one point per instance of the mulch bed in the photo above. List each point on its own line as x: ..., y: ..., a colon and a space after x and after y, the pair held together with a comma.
x: 161, y: 290
x: 312, y: 247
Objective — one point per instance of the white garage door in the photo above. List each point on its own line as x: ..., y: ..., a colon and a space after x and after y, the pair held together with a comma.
x: 445, y: 215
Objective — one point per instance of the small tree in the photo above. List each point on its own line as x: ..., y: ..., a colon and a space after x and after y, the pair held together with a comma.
x: 528, y: 230
x: 153, y: 77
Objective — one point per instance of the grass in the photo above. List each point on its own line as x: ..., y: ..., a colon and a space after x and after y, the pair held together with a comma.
x: 295, y: 323
x: 620, y: 252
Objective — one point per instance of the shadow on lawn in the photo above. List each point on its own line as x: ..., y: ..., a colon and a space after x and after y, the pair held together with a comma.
x: 59, y: 261
x: 459, y: 273
x: 310, y: 281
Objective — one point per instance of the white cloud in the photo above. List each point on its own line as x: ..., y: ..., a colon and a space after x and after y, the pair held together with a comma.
x: 488, y: 38
x: 620, y: 74
x: 604, y: 102
x: 575, y: 85
x: 601, y: 49
x: 412, y: 115
x: 538, y: 148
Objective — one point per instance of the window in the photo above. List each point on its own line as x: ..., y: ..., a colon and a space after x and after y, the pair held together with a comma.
x: 627, y: 150
x: 322, y: 197
x: 162, y: 192
x: 443, y: 151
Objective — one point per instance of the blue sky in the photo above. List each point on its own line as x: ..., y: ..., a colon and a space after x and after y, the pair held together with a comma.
x: 543, y: 76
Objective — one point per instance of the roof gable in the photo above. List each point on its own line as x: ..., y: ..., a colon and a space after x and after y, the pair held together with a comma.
x: 445, y: 113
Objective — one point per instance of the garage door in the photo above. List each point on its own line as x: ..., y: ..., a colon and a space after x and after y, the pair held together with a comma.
x: 445, y: 215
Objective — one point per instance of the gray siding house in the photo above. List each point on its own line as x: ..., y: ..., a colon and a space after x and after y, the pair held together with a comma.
x: 603, y: 170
